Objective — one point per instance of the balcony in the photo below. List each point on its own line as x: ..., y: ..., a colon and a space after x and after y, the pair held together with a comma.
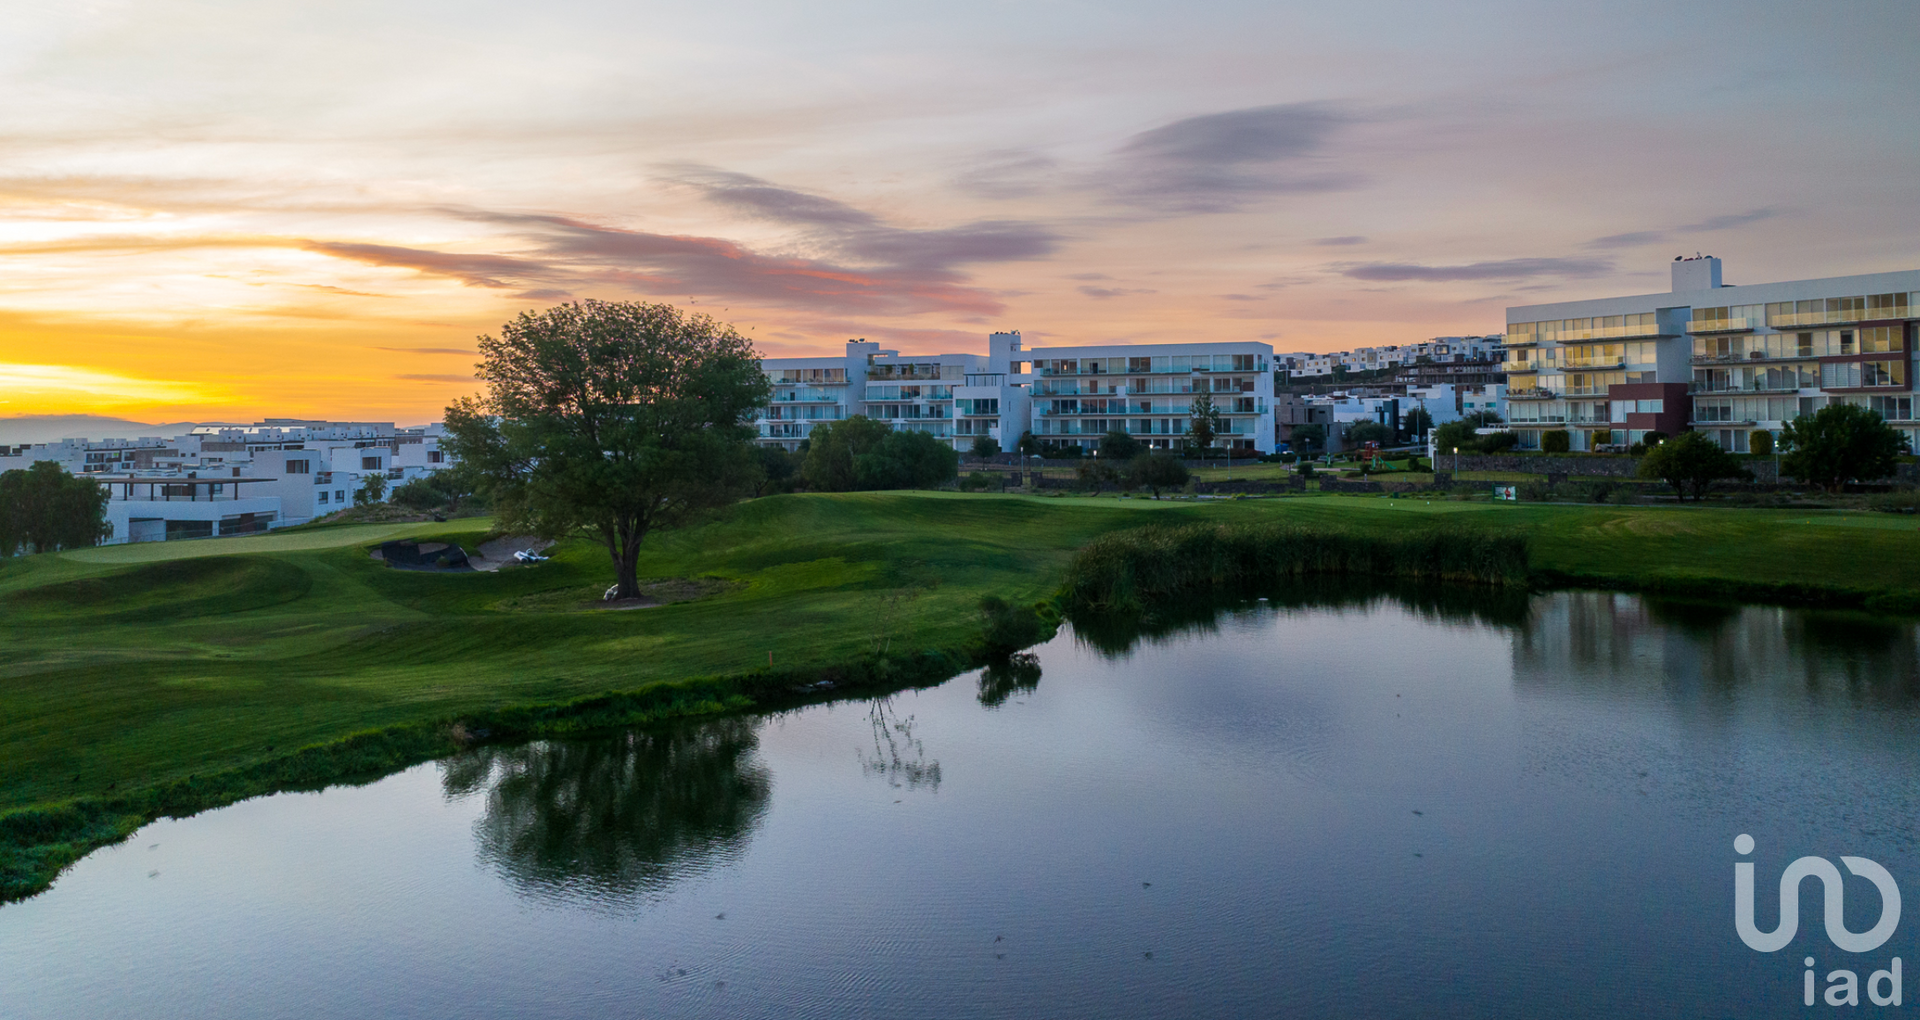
x: 1593, y: 365
x: 1784, y: 388
x: 1532, y: 394
x: 1722, y: 325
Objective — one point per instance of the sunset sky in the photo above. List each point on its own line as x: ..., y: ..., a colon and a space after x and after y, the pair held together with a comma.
x: 229, y: 210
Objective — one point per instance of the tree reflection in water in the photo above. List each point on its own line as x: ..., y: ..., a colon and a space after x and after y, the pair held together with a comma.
x: 1018, y: 673
x: 615, y: 818
x: 898, y: 756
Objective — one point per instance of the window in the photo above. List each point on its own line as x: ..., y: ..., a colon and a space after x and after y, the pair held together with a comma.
x: 436, y: 457
x: 1883, y: 373
x: 299, y: 467
x: 369, y: 463
x: 323, y: 497
x: 339, y: 495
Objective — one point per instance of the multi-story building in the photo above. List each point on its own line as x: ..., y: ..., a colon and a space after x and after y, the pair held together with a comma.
x: 808, y: 391
x: 956, y: 398
x: 229, y: 480
x: 1721, y: 359
x: 1081, y: 393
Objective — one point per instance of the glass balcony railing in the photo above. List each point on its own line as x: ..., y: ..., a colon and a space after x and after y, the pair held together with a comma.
x: 1531, y: 393
x: 1721, y: 325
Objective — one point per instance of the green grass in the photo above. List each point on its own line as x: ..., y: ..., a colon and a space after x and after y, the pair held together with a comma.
x: 164, y: 667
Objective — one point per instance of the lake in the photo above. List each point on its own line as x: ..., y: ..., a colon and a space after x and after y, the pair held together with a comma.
x: 1364, y: 804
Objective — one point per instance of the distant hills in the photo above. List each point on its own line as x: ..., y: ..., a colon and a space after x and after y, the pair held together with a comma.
x: 25, y: 429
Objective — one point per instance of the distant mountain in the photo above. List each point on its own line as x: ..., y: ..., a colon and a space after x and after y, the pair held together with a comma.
x: 25, y: 429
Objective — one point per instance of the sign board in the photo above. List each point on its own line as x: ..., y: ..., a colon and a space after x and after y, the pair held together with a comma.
x: 1510, y: 493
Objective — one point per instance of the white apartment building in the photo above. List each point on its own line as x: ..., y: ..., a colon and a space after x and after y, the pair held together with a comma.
x: 227, y: 480
x: 1723, y: 360
x: 1081, y: 393
x: 1439, y: 350
x: 956, y: 398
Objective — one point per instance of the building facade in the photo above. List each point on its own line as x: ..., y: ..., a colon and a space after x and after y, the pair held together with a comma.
x: 1724, y: 360
x: 1081, y: 393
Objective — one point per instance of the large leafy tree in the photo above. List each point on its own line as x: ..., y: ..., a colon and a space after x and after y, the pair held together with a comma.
x: 1690, y: 462
x: 611, y: 419
x: 43, y: 508
x: 1157, y: 471
x: 1840, y: 443
x: 834, y: 450
x: 1118, y: 446
x: 861, y: 453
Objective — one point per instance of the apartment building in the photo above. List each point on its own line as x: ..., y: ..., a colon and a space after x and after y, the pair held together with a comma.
x: 229, y: 480
x: 1459, y: 352
x: 1725, y: 360
x: 1081, y: 393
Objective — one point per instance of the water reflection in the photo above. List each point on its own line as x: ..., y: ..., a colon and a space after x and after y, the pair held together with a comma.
x: 1116, y: 637
x: 1016, y: 674
x: 1712, y: 651
x: 898, y: 756
x: 616, y: 817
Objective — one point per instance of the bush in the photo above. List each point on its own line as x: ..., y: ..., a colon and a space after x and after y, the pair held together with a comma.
x: 1117, y: 446
x: 1156, y: 471
x: 1007, y: 628
x: 1602, y: 437
x: 1499, y: 442
x: 1556, y: 441
x: 977, y: 481
x: 1904, y: 501
x: 1306, y: 469
x: 1840, y: 443
x: 1691, y: 463
x: 1624, y: 495
x: 1761, y: 443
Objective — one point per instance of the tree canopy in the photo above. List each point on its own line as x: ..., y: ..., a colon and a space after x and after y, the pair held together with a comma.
x: 861, y: 454
x: 1156, y: 471
x: 1118, y: 446
x: 611, y: 419
x: 1362, y: 432
x: 43, y: 509
x: 1205, y: 425
x: 1840, y: 443
x: 1690, y: 462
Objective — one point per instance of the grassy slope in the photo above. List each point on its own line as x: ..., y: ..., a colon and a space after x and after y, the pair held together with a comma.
x: 136, y: 665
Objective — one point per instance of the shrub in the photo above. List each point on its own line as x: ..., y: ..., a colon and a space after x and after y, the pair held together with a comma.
x: 1156, y: 471
x: 1556, y: 441
x: 1840, y: 443
x: 1007, y: 628
x: 1903, y: 501
x: 1499, y: 442
x: 1602, y: 437
x: 1761, y: 443
x: 1691, y: 463
x: 1306, y: 469
x: 1624, y: 495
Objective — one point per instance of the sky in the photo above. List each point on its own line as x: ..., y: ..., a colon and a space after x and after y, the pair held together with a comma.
x: 240, y: 209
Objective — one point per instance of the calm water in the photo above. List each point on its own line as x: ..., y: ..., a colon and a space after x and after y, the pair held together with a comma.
x: 1372, y: 809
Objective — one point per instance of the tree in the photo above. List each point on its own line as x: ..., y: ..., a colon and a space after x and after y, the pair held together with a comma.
x: 832, y: 460
x: 1097, y: 474
x: 1761, y: 442
x: 1361, y: 433
x: 1028, y: 446
x: 985, y: 448
x: 373, y: 489
x: 906, y: 459
x: 1456, y: 435
x: 611, y: 419
x: 777, y: 470
x: 1418, y: 422
x: 1119, y: 447
x: 1691, y: 462
x: 439, y: 490
x: 1156, y: 471
x: 1309, y: 436
x: 1206, y: 422
x: 1556, y: 441
x: 1483, y: 419
x: 1840, y: 443
x: 44, y: 509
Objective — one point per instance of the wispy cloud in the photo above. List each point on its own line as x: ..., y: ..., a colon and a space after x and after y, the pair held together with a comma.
x: 1102, y: 293
x: 1711, y: 224
x: 1501, y: 269
x: 1219, y: 162
x: 1340, y: 242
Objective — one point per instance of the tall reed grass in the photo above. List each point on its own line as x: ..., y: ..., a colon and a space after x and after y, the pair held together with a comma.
x: 1139, y: 570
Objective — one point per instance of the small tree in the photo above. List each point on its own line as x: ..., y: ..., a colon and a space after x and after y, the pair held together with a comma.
x: 44, y: 509
x: 1310, y: 436
x: 373, y: 489
x: 1096, y: 475
x: 1156, y: 471
x: 1691, y: 462
x: 1119, y: 447
x: 1418, y: 422
x: 1761, y: 443
x: 1027, y: 446
x: 1483, y: 419
x: 778, y: 469
x: 1840, y: 443
x: 985, y: 448
x: 832, y: 459
x: 1361, y: 433
x: 1556, y: 441
x: 1205, y: 426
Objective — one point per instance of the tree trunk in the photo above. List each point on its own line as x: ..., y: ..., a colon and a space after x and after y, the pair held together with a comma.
x: 625, y: 549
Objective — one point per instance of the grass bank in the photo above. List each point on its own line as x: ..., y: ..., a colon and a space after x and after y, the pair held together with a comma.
x: 164, y: 678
